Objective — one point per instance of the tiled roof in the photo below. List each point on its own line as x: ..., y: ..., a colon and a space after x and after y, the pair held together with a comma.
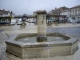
x: 61, y: 9
x: 75, y: 6
x: 5, y: 12
x: 29, y: 16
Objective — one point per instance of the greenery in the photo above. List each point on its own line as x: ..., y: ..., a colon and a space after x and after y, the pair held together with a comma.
x: 5, y: 18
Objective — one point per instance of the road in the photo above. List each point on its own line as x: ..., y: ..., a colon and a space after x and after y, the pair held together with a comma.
x: 74, y: 31
x: 1, y: 31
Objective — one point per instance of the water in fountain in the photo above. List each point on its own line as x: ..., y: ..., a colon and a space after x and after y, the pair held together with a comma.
x: 33, y: 39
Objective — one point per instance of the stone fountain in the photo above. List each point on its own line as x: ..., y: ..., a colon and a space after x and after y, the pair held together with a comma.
x: 41, y: 44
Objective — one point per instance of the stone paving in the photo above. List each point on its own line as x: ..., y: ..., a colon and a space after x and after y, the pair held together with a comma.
x: 10, y: 31
x: 65, y: 25
x: 30, y: 28
x: 29, y: 25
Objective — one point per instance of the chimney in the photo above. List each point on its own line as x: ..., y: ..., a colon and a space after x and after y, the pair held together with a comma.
x: 3, y: 9
x: 8, y: 11
x: 11, y: 12
x: 55, y: 8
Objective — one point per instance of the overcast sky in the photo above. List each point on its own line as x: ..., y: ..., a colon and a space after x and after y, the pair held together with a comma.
x: 29, y: 6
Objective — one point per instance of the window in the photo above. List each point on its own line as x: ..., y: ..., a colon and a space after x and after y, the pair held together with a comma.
x: 77, y: 9
x: 71, y: 10
x: 78, y: 18
x: 74, y: 12
x: 43, y: 17
x: 77, y: 12
x: 73, y: 18
x: 71, y: 13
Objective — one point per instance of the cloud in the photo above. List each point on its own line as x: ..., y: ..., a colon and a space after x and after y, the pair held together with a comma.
x: 29, y: 6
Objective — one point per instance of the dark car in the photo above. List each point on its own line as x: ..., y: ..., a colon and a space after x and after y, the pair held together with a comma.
x: 4, y: 23
x: 78, y: 21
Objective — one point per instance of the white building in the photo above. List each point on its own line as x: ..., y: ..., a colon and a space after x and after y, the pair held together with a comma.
x: 4, y: 13
x: 67, y: 13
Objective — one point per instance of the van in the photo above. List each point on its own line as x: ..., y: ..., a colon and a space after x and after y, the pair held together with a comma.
x: 13, y: 21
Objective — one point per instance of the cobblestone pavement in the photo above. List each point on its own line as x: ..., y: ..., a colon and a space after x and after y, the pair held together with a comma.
x: 30, y: 29
x: 30, y: 25
x: 75, y: 56
x: 65, y: 25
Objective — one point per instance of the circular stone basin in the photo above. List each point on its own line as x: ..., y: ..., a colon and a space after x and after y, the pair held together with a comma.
x: 26, y: 46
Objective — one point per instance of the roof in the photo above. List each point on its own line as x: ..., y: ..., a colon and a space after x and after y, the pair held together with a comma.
x: 61, y: 9
x: 48, y: 15
x: 5, y: 12
x: 51, y: 15
x: 75, y: 6
x: 29, y: 16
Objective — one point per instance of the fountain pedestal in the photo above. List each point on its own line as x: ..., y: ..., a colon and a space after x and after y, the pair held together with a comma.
x: 41, y: 38
x: 41, y: 20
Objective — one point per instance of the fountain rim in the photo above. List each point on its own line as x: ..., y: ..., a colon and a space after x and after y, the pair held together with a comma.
x: 68, y: 42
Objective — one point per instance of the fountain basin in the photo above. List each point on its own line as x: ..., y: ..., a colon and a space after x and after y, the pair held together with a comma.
x: 22, y: 49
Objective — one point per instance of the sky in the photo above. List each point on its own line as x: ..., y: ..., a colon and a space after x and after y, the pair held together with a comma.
x: 20, y: 7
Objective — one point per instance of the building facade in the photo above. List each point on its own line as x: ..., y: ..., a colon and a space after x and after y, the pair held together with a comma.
x: 60, y: 11
x: 75, y: 12
x: 34, y: 13
x: 4, y: 13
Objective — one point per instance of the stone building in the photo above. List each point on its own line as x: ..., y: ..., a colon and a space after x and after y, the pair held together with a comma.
x: 34, y: 13
x: 75, y: 12
x: 59, y: 11
x: 4, y: 13
x: 6, y: 16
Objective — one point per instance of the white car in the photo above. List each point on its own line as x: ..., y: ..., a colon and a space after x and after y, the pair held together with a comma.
x: 13, y: 21
x: 19, y: 19
x: 71, y: 21
x: 19, y: 23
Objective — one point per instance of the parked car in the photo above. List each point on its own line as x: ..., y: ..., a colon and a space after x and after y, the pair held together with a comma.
x: 19, y: 19
x: 19, y: 22
x: 78, y: 21
x: 34, y: 21
x: 3, y: 22
x: 70, y: 21
x: 27, y: 20
x: 13, y: 21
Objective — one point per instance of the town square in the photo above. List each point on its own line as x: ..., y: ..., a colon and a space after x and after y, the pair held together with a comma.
x: 42, y: 32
